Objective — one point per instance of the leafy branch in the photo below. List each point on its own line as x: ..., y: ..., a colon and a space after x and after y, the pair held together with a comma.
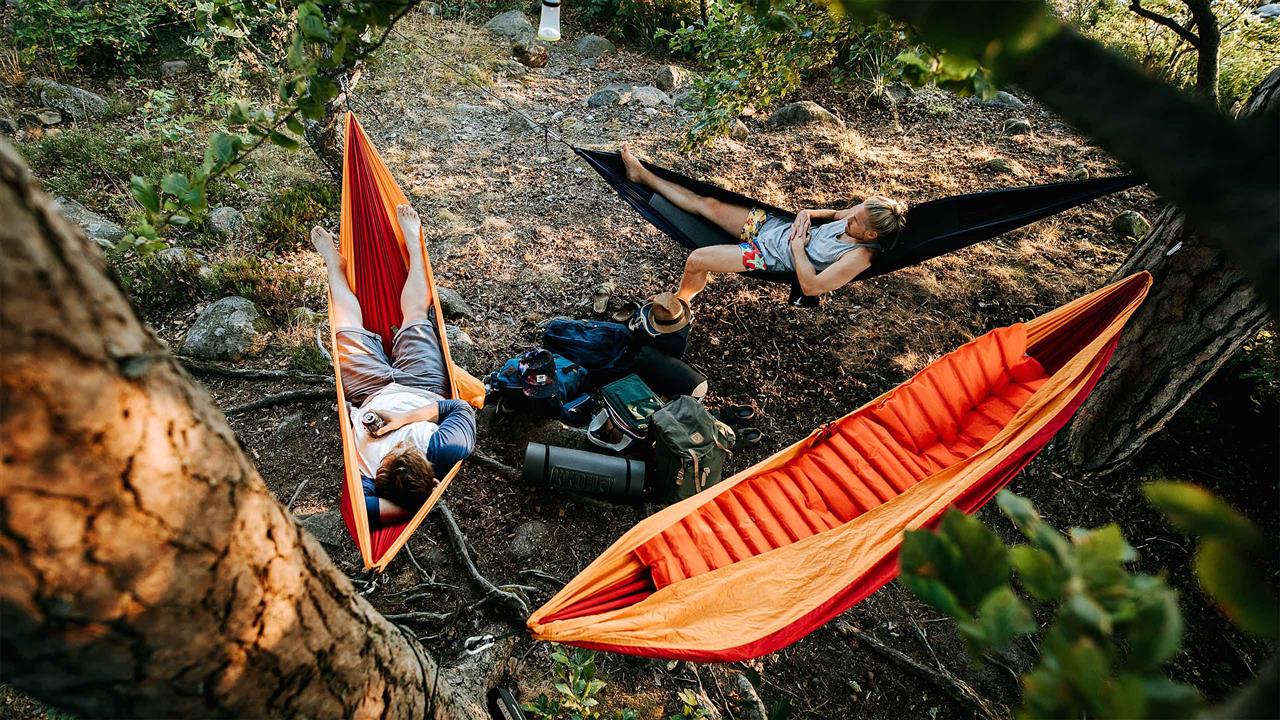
x: 327, y: 36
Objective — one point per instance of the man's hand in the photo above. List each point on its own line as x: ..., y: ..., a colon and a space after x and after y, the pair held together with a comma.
x: 800, y: 228
x: 396, y: 420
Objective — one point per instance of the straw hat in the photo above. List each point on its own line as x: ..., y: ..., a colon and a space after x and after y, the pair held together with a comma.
x: 665, y: 313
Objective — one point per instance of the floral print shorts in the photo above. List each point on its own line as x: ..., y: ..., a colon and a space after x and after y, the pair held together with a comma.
x: 752, y: 256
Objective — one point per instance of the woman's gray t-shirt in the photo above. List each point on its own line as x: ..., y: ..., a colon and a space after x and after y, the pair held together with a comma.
x: 824, y: 247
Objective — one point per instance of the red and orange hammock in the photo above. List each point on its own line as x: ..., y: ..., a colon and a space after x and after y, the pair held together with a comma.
x: 377, y: 265
x: 757, y: 562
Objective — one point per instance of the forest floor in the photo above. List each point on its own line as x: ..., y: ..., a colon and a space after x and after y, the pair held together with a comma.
x: 525, y: 231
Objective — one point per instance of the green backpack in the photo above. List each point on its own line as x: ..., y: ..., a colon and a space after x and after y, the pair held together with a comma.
x: 690, y: 449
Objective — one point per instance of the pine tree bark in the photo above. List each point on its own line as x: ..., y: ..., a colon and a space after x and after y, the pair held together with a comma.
x: 147, y: 570
x: 1201, y: 310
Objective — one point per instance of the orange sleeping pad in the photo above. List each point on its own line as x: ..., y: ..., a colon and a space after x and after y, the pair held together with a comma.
x: 935, y: 420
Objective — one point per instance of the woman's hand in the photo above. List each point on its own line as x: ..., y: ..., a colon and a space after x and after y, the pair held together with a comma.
x: 800, y: 228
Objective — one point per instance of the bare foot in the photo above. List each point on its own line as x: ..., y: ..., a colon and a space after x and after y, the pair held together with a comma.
x: 327, y: 245
x: 635, y: 170
x: 410, y: 225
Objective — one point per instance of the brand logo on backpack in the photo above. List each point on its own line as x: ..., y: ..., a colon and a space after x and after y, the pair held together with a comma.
x: 697, y: 437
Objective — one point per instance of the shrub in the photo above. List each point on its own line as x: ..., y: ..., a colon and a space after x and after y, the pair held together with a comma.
x: 283, y: 223
x: 161, y: 284
x: 629, y: 20
x: 68, y: 33
x: 274, y: 287
x: 93, y: 164
x: 759, y: 59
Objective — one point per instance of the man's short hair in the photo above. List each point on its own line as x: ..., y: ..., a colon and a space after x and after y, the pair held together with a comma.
x: 405, y: 477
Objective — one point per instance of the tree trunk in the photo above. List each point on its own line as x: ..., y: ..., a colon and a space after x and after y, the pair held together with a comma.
x: 1201, y: 310
x: 147, y: 570
x: 1207, y: 48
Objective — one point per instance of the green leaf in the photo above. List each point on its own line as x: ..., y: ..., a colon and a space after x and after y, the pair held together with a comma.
x: 1124, y: 697
x: 1043, y: 578
x: 927, y: 565
x: 1196, y: 511
x: 984, y: 560
x: 1101, y: 555
x: 180, y: 220
x: 281, y: 140
x: 1089, y: 613
x: 224, y: 147
x: 1003, y: 616
x: 1085, y: 668
x: 1155, y: 632
x: 144, y: 194
x: 175, y: 184
x: 1239, y: 584
x: 1019, y: 510
x: 1169, y: 699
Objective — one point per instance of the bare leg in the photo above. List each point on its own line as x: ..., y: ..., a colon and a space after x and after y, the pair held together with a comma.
x: 729, y: 217
x: 415, y: 302
x: 346, y: 308
x: 715, y: 258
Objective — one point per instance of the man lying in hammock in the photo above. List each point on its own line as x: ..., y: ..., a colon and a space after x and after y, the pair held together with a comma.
x: 823, y: 258
x: 407, y: 434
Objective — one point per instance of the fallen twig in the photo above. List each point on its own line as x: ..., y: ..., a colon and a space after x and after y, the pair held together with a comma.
x: 203, y: 367
x: 296, y: 493
x: 491, y: 592
x: 502, y: 468
x: 284, y: 398
x: 421, y: 617
x: 958, y: 689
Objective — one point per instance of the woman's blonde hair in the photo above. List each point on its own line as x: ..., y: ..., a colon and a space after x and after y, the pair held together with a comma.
x: 886, y: 215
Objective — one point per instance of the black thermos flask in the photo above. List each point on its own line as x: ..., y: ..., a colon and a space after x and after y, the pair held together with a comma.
x: 604, y: 476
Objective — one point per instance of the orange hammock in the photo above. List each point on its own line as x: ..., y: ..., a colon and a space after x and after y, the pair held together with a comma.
x: 757, y: 562
x: 377, y: 265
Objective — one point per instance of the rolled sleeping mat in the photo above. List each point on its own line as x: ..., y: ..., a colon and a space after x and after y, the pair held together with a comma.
x: 668, y: 376
x: 580, y: 471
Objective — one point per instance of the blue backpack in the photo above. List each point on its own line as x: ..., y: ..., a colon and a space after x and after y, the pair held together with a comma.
x: 509, y: 386
x: 600, y: 347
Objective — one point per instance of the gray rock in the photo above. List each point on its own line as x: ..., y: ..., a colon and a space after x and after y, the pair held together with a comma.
x: 738, y: 130
x: 227, y: 221
x: 327, y: 527
x: 461, y: 348
x: 805, y: 112
x: 1268, y: 11
x: 530, y: 52
x: 454, y: 306
x: 750, y: 707
x: 1130, y: 223
x: 688, y: 100
x: 1004, y: 166
x: 1080, y: 173
x: 8, y: 126
x: 47, y: 117
x: 305, y: 316
x: 1017, y: 126
x: 98, y: 228
x: 593, y: 46
x: 899, y: 92
x: 669, y: 78
x: 649, y: 96
x: 74, y: 102
x: 186, y: 257
x: 510, y: 68
x: 609, y: 97
x: 530, y: 540
x: 225, y: 330
x: 173, y: 67
x: 431, y: 9
x: 289, y: 429
x: 511, y: 24
x: 1005, y: 99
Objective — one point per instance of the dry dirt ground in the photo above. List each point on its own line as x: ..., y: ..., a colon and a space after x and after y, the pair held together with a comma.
x: 525, y: 231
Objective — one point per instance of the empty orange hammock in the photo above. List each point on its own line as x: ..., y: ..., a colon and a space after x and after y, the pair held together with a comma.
x: 377, y: 265
x: 760, y: 560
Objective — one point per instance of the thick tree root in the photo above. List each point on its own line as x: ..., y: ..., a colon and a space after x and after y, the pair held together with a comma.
x: 284, y: 398
x: 957, y: 689
x: 492, y: 593
x: 203, y: 367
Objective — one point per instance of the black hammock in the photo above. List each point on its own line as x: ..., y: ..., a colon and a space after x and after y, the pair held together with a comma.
x: 933, y: 228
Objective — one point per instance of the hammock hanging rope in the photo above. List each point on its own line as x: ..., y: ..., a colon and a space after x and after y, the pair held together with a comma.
x: 755, y: 563
x: 377, y: 263
x: 933, y: 228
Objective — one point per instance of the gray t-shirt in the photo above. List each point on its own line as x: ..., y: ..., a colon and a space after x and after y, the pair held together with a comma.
x: 823, y: 250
